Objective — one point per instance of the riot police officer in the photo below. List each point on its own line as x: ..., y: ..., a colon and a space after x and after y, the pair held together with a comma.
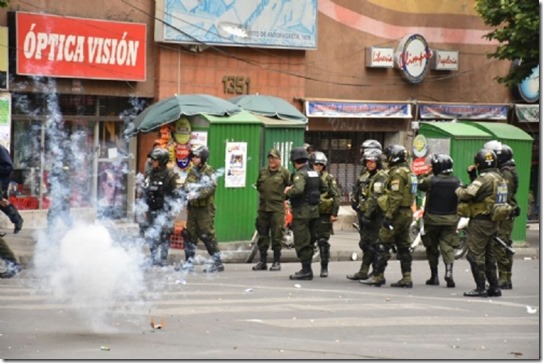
x: 160, y: 192
x: 271, y: 183
x: 199, y: 187
x: 328, y: 209
x: 372, y: 216
x: 440, y: 217
x: 304, y: 196
x: 507, y: 168
x: 357, y: 196
x: 396, y: 204
x: 478, y: 203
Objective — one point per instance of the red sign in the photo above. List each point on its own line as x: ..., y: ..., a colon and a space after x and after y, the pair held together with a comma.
x: 59, y: 46
x: 420, y: 166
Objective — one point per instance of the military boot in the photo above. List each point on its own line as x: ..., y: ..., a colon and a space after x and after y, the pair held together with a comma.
x: 304, y: 274
x: 434, y: 279
x: 324, y: 269
x: 262, y: 265
x: 276, y: 266
x: 362, y: 274
x: 494, y: 288
x: 480, y: 290
x: 405, y: 281
x: 375, y: 280
x: 216, y: 264
x: 505, y: 281
x: 449, y: 275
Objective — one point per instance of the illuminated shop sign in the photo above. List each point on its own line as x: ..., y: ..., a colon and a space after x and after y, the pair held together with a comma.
x: 61, y: 46
x: 379, y: 57
x: 412, y: 58
x: 445, y: 60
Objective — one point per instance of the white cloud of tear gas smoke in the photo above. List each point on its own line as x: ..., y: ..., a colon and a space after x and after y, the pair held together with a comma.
x: 97, y: 276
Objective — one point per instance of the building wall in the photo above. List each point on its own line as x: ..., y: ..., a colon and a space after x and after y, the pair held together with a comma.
x: 346, y: 28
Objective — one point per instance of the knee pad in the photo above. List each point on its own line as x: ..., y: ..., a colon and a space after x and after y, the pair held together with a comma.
x: 322, y: 242
x: 205, y: 238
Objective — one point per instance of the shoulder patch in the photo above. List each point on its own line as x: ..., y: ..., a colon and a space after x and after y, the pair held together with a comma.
x: 395, y: 185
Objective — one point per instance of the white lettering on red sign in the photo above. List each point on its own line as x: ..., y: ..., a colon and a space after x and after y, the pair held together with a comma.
x: 80, y: 48
x: 71, y: 48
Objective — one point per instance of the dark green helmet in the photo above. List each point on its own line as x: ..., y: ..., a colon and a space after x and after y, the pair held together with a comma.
x: 441, y: 163
x: 485, y: 158
x: 395, y: 154
x: 202, y: 152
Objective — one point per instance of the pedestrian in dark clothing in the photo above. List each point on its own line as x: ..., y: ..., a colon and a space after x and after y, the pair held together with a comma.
x: 6, y: 168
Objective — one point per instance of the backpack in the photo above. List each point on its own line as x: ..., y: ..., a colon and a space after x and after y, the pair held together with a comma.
x: 500, y: 210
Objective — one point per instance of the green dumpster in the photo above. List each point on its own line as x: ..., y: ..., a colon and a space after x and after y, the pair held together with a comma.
x: 236, y: 200
x: 282, y: 135
x: 459, y: 140
x: 521, y: 143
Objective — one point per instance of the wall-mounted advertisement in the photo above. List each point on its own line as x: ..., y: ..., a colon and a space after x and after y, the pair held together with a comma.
x: 4, y: 47
x: 63, y: 46
x: 5, y: 119
x: 290, y: 24
x: 236, y: 165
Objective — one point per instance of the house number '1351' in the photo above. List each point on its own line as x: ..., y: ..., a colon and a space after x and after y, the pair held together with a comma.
x: 236, y: 85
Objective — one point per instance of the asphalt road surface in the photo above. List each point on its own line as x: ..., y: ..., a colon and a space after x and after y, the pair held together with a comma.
x: 244, y: 314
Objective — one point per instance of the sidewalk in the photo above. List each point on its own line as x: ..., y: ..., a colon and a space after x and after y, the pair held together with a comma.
x: 344, y: 246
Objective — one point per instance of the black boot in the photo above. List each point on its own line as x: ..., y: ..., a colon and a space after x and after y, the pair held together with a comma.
x: 434, y: 279
x: 262, y: 265
x: 479, y: 291
x: 449, y: 275
x: 324, y: 269
x: 216, y: 264
x: 276, y: 266
x: 494, y: 288
x: 304, y: 274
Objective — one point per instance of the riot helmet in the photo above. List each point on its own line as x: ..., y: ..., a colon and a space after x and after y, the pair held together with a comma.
x: 484, y: 159
x: 370, y: 144
x: 441, y: 164
x: 298, y: 154
x: 202, y: 152
x: 318, y: 157
x: 161, y: 155
x: 395, y: 154
x: 506, y: 155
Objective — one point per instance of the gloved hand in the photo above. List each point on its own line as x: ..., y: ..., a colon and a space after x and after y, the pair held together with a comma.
x: 472, y: 172
x: 365, y: 221
x: 387, y: 223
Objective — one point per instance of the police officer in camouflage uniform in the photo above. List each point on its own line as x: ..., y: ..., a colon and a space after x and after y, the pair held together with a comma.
x: 160, y: 192
x: 396, y: 203
x: 304, y: 196
x: 271, y: 183
x: 199, y: 187
x: 357, y: 196
x: 477, y: 201
x: 328, y: 209
x: 507, y: 168
x: 440, y: 217
x: 372, y: 215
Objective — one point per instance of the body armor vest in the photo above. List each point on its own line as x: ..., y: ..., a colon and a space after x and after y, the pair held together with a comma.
x: 155, y: 190
x: 311, y: 193
x: 442, y: 198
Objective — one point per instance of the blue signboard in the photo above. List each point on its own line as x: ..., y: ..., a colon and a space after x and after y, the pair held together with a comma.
x: 288, y: 24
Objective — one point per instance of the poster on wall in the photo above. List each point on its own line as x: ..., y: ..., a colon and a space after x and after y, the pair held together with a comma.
x: 5, y: 119
x: 236, y: 164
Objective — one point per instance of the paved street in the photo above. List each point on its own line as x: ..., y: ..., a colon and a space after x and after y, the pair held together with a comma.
x: 241, y: 314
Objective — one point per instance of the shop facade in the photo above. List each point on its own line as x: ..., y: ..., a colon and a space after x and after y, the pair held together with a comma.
x: 75, y: 74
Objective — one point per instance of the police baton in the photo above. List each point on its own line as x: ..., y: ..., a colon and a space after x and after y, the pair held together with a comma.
x: 509, y: 249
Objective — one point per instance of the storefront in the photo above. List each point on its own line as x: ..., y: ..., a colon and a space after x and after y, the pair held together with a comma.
x: 339, y: 127
x: 67, y: 112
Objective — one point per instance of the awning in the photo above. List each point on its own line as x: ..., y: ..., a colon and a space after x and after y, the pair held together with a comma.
x: 356, y: 109
x: 472, y: 111
x: 527, y: 113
